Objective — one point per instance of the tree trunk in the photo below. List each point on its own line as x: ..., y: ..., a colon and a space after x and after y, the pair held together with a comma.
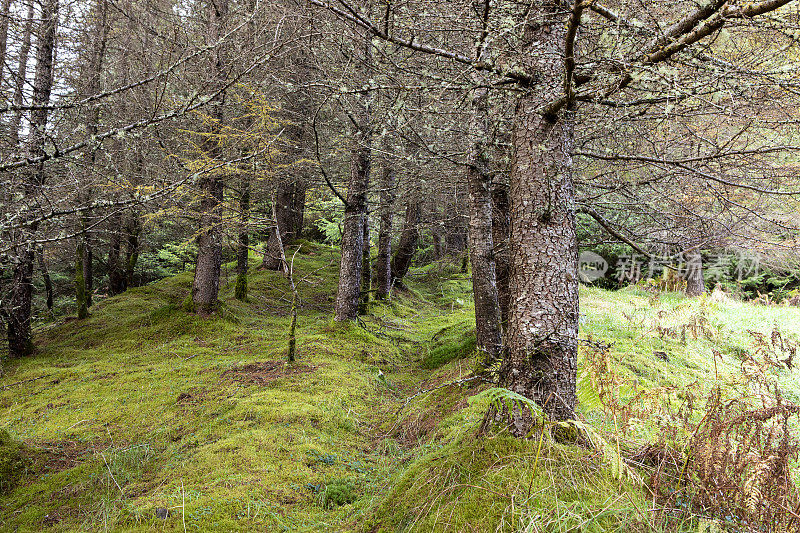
x: 205, y: 289
x: 275, y: 258
x: 21, y: 78
x: 501, y: 224
x: 481, y: 244
x: 19, y: 315
x: 347, y: 297
x: 366, y: 270
x: 383, y: 265
x: 80, y: 284
x: 355, y: 209
x: 297, y: 211
x: 91, y: 121
x: 541, y: 355
x: 4, y: 18
x: 116, y: 270
x: 48, y: 284
x: 695, y: 285
x: 20, y: 341
x: 243, y: 247
x: 132, y: 246
x: 407, y: 245
x: 280, y: 234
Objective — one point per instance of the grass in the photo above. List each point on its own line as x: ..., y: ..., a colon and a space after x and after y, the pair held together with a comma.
x: 145, y: 417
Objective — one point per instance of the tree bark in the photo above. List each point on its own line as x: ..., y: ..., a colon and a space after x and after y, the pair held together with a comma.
x: 275, y: 258
x: 80, y: 284
x: 501, y: 224
x: 48, y: 284
x: 134, y: 229
x: 116, y: 270
x: 19, y: 315
x: 407, y: 245
x: 4, y: 18
x: 205, y: 289
x: 366, y: 270
x: 695, y: 284
x: 383, y: 264
x: 541, y: 355
x: 297, y: 211
x: 243, y: 246
x: 347, y: 297
x: 22, y: 70
x: 91, y: 120
x: 355, y: 209
x: 481, y: 243
x: 281, y: 233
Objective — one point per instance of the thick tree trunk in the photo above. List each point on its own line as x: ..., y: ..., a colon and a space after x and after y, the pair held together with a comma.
x: 481, y: 243
x: 695, y: 285
x: 19, y: 313
x: 541, y: 355
x: 407, y: 245
x: 205, y: 289
x: 348, y: 295
x: 20, y: 341
x: 383, y: 264
x: 501, y: 225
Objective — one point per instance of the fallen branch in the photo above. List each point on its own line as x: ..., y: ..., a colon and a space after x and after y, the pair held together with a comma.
x: 21, y: 382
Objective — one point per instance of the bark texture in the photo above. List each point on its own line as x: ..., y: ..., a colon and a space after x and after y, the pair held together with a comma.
x: 541, y: 355
x: 407, y: 245
x: 348, y: 295
x: 289, y: 209
x: 48, y: 284
x: 481, y: 242
x: 501, y: 226
x: 116, y: 270
x: 20, y: 342
x: 243, y: 244
x: 695, y: 285
x: 205, y: 288
x: 383, y: 263
x: 366, y: 270
x: 92, y: 77
x: 21, y: 77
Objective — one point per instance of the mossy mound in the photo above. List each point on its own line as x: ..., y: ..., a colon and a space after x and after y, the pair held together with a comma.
x: 13, y: 463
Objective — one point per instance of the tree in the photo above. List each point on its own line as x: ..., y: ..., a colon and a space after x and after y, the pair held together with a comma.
x: 205, y: 288
x: 20, y: 342
x: 554, y: 86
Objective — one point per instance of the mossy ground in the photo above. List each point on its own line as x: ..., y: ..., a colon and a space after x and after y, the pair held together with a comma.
x: 144, y: 410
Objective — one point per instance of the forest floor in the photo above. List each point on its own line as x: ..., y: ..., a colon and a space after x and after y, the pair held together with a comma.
x: 146, y: 417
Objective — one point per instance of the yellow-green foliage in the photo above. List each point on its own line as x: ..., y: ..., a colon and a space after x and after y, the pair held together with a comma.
x: 144, y: 407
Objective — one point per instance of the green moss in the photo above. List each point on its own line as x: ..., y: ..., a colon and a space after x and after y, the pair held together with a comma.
x: 441, y: 355
x: 144, y: 406
x: 240, y: 291
x: 13, y: 463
